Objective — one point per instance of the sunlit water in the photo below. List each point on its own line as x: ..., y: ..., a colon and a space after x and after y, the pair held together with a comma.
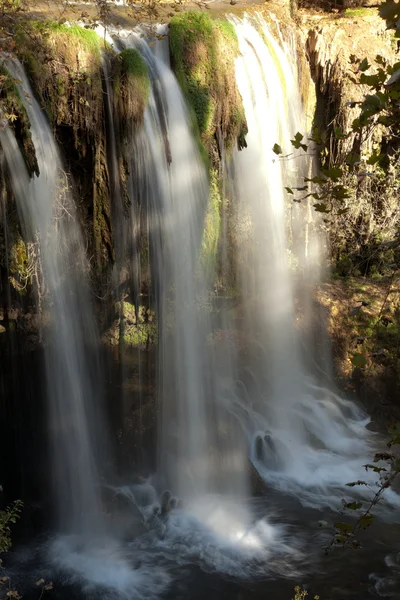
x: 304, y: 438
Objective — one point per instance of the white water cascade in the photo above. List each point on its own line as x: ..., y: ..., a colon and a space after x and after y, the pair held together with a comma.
x: 304, y: 438
x: 203, y: 457
x: 48, y: 216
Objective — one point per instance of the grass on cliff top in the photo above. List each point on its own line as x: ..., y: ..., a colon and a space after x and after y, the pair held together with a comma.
x: 360, y: 11
x: 86, y: 38
x: 64, y: 65
x: 131, y: 65
x: 203, y: 54
x: 42, y: 42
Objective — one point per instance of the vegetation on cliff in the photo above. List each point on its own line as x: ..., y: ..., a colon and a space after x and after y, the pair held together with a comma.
x: 64, y: 65
x: 364, y: 325
x: 356, y: 142
x: 14, y: 111
x: 131, y: 86
x: 203, y: 53
x: 133, y: 326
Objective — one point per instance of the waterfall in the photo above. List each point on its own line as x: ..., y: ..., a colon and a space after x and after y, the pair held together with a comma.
x: 304, y: 438
x: 202, y: 456
x: 228, y: 406
x: 48, y: 216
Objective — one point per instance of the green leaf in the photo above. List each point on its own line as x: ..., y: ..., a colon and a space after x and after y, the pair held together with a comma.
x: 383, y: 456
x: 353, y: 505
x: 374, y: 158
x: 394, y: 441
x: 338, y: 133
x: 320, y: 207
x: 365, y: 521
x: 317, y: 180
x: 343, y: 526
x: 334, y: 173
x: 352, y: 159
x: 358, y: 482
x: 340, y: 192
x: 394, y: 429
x: 374, y: 468
x: 364, y: 65
x: 296, y: 142
x: 358, y: 360
x: 289, y: 190
x: 277, y: 149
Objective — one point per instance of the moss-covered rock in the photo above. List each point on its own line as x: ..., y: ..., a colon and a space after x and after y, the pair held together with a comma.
x: 15, y: 112
x: 131, y: 87
x: 137, y: 329
x: 203, y: 53
x: 64, y: 64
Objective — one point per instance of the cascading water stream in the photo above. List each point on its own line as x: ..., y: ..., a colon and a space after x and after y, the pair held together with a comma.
x: 74, y: 398
x: 200, y: 446
x: 304, y: 438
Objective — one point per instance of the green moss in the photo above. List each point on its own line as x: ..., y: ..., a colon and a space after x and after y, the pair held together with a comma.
x: 133, y: 65
x: 87, y: 37
x: 140, y: 331
x: 20, y: 275
x: 140, y: 335
x: 203, y: 53
x: 360, y: 11
x: 131, y: 86
x: 212, y: 226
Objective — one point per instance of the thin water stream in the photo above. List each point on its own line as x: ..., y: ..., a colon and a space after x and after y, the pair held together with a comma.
x: 48, y: 216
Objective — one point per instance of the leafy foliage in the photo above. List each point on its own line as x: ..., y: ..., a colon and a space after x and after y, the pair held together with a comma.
x: 301, y: 594
x: 387, y: 466
x: 356, y: 192
x: 8, y: 517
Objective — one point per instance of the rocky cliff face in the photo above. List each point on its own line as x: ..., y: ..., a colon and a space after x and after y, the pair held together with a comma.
x: 65, y: 66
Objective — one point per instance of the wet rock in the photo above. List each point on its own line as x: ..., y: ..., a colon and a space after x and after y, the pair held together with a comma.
x: 257, y: 484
